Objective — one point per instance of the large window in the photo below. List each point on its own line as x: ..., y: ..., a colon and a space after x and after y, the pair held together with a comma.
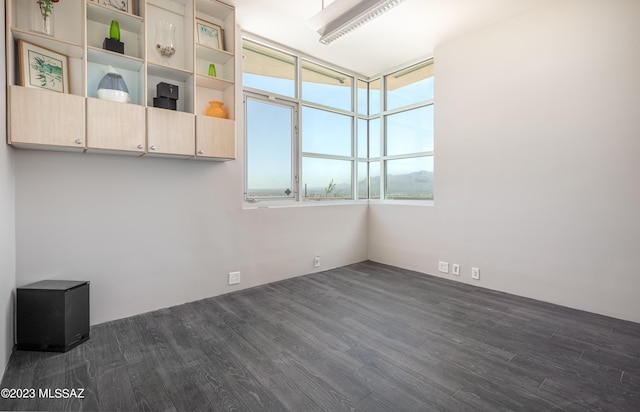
x: 407, y: 160
x: 317, y: 133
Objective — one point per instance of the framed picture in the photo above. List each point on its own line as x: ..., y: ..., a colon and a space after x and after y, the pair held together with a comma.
x: 122, y: 5
x: 43, y: 68
x: 209, y: 34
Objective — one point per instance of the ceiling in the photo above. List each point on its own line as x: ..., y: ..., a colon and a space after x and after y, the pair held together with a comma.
x: 405, y: 34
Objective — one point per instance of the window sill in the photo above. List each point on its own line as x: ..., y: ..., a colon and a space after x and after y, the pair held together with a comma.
x: 285, y: 204
x: 424, y: 203
x: 277, y: 205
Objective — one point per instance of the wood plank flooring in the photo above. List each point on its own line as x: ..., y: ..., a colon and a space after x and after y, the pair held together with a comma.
x: 366, y: 337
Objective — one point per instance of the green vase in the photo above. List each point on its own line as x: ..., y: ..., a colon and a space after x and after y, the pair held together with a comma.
x: 212, y: 70
x: 114, y: 31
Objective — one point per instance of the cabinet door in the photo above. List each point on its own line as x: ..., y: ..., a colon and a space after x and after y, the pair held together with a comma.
x: 170, y: 132
x: 43, y: 117
x: 115, y: 126
x: 215, y: 138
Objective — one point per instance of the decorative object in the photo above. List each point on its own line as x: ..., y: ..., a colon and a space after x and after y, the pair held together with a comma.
x: 209, y: 34
x: 125, y: 6
x: 165, y: 40
x: 342, y: 17
x: 42, y: 16
x: 114, y: 30
x: 43, y: 68
x: 113, y: 43
x: 112, y: 87
x: 215, y: 109
x: 167, y: 90
x: 212, y: 70
x: 165, y: 103
x: 167, y: 96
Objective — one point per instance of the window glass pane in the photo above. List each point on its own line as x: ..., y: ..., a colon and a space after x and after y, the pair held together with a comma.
x: 410, y: 131
x: 324, y: 132
x: 374, y: 97
x: 411, y: 85
x: 325, y: 86
x: 410, y: 178
x: 269, y: 158
x: 363, y: 100
x: 374, y: 138
x: 326, y: 179
x: 267, y: 69
x: 362, y: 138
x: 374, y: 180
x: 363, y: 181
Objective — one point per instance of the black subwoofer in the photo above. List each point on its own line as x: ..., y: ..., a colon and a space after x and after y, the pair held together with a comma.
x: 52, y: 315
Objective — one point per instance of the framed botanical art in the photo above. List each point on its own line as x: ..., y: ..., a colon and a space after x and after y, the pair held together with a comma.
x: 43, y: 68
x: 209, y: 34
x: 122, y: 5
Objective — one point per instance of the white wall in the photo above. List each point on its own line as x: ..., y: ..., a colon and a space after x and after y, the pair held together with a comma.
x: 537, y: 161
x: 7, y: 226
x: 151, y: 233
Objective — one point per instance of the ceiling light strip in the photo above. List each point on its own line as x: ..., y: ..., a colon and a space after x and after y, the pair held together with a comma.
x: 347, y: 23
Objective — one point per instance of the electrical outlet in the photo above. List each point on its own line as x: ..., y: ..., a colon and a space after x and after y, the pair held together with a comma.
x: 316, y: 261
x: 443, y: 267
x: 234, y: 278
x: 475, y: 273
x: 455, y: 269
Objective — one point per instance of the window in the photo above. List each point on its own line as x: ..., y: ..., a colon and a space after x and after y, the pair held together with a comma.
x: 356, y: 139
x: 271, y: 157
x: 268, y: 69
x: 326, y: 87
x: 408, y: 86
x: 408, y: 133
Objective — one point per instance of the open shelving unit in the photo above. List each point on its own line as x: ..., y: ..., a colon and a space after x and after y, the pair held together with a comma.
x: 135, y: 127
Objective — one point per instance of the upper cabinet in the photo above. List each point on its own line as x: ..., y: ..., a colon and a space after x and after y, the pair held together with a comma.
x: 70, y: 63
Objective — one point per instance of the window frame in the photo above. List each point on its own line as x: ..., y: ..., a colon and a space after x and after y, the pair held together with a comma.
x: 295, y: 131
x: 379, y: 113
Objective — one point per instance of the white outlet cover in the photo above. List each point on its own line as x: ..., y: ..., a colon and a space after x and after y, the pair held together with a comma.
x: 443, y: 267
x: 234, y: 278
x: 475, y: 273
x: 455, y: 269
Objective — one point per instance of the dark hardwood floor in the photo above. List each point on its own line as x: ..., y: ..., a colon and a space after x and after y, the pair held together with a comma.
x: 364, y: 337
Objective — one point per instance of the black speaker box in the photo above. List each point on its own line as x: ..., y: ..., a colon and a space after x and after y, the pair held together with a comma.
x: 165, y: 103
x: 52, y: 315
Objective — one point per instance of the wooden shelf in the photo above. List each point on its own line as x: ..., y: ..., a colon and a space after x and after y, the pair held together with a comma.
x: 73, y: 50
x: 214, y: 83
x: 214, y: 55
x: 107, y: 57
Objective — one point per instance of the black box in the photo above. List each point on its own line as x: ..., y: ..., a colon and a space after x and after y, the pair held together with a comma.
x: 113, y: 45
x: 167, y: 90
x: 52, y: 315
x: 165, y: 103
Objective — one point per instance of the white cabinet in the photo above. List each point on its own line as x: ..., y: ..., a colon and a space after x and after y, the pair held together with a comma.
x: 118, y: 127
x: 214, y: 138
x: 45, y: 119
x: 137, y: 127
x: 170, y: 133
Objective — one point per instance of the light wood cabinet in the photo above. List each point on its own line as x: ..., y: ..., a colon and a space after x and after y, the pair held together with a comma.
x: 81, y: 121
x: 170, y: 133
x: 115, y: 126
x: 48, y: 119
x: 214, y: 138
